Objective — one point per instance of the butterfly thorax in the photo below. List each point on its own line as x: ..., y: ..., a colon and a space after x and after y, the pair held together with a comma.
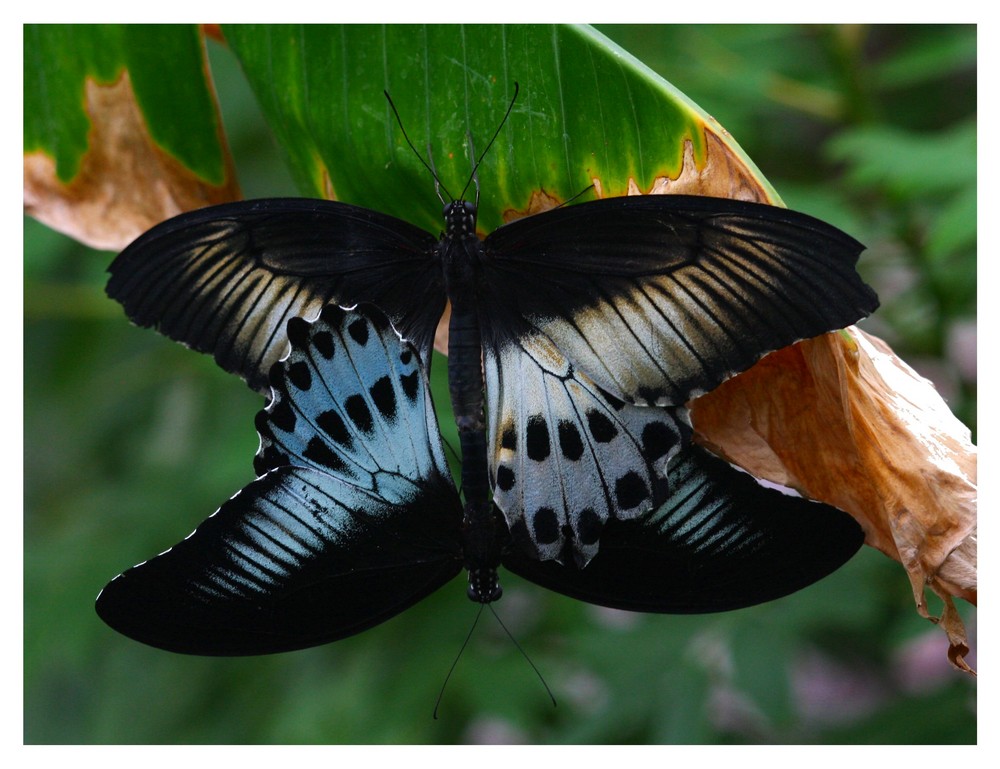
x: 459, y: 250
x: 460, y: 219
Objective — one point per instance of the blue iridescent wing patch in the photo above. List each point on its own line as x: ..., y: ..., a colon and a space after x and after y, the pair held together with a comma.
x: 353, y: 519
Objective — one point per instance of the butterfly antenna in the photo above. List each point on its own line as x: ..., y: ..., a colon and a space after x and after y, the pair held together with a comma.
x: 437, y: 179
x: 457, y: 658
x: 437, y: 182
x: 496, y: 133
x: 581, y: 193
x: 454, y: 452
x: 475, y: 170
x: 525, y: 655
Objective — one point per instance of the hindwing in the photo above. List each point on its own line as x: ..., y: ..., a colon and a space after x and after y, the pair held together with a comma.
x: 354, y: 516
x: 721, y: 541
x: 351, y: 399
x: 565, y: 456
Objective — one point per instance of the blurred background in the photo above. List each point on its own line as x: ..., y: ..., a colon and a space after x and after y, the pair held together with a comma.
x: 132, y: 440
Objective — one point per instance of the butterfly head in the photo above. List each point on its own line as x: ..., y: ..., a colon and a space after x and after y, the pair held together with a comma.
x: 460, y: 218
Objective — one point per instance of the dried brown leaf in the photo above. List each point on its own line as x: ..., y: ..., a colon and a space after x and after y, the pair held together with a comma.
x: 125, y: 185
x: 841, y: 419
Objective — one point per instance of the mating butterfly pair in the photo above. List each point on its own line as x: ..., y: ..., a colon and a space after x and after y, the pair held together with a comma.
x: 576, y: 338
x: 354, y: 517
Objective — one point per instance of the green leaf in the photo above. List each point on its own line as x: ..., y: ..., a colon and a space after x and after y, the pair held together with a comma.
x: 954, y: 228
x: 165, y: 64
x: 57, y: 60
x: 908, y: 164
x: 587, y: 111
x: 934, y: 53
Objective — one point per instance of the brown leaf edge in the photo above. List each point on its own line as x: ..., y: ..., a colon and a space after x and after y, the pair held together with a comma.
x: 126, y: 183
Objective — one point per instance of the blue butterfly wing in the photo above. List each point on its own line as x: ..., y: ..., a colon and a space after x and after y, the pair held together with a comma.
x: 226, y: 279
x: 721, y: 541
x: 349, y: 523
x: 659, y: 298
x: 296, y: 559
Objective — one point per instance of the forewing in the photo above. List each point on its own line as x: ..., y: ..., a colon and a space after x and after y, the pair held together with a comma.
x: 226, y: 279
x: 659, y: 298
x: 565, y: 456
x: 336, y: 535
x: 721, y: 541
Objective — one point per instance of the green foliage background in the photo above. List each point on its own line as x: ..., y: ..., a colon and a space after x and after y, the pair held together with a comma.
x: 131, y: 440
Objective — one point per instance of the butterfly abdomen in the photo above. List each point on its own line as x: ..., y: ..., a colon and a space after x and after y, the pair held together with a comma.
x: 465, y: 381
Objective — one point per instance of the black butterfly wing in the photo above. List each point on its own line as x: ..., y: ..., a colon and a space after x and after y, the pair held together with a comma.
x: 226, y: 279
x: 298, y: 558
x: 721, y: 541
x: 354, y: 518
x: 659, y: 298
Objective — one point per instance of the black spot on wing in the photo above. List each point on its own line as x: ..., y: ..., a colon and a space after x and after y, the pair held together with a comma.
x: 405, y: 357
x: 323, y: 340
x: 359, y: 331
x: 317, y: 451
x: 570, y: 442
x: 263, y: 427
x: 546, y: 525
x: 589, y: 527
x: 384, y: 397
x: 508, y: 438
x: 276, y: 376
x: 538, y: 438
x: 505, y: 478
x: 411, y: 385
x: 298, y: 332
x: 657, y: 440
x: 358, y: 412
x: 333, y: 425
x: 300, y: 375
x: 601, y: 428
x: 282, y: 416
x: 631, y: 490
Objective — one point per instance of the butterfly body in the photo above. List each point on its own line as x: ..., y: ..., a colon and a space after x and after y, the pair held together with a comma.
x: 458, y: 251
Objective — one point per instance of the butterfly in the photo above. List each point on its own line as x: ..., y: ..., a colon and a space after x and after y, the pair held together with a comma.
x: 354, y: 517
x: 576, y: 336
